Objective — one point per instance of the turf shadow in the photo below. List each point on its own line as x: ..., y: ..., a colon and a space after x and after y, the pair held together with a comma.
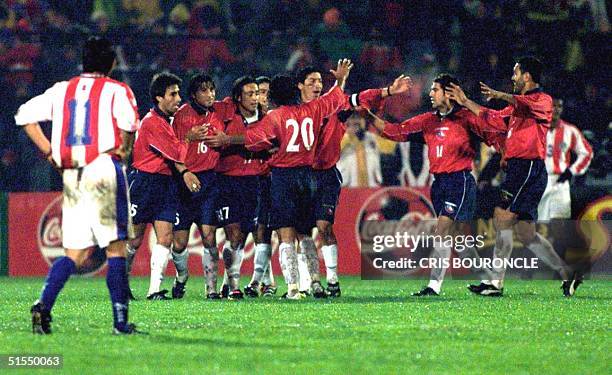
x: 216, y: 342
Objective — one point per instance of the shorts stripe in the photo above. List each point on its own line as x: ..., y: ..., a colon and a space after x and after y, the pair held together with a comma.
x: 121, y: 201
x: 463, y: 196
x: 523, y: 185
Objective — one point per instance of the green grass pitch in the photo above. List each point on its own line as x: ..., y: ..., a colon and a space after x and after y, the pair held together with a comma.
x: 375, y: 327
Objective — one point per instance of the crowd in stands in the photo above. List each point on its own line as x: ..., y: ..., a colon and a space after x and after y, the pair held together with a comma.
x: 476, y: 40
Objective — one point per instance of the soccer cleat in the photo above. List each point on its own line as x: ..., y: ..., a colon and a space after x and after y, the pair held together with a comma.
x: 427, y: 291
x: 317, y: 290
x: 178, y: 289
x: 268, y: 291
x: 213, y: 295
x: 294, y: 295
x: 130, y: 329
x: 487, y: 290
x: 158, y: 296
x: 251, y: 290
x: 569, y: 286
x: 225, y: 291
x: 306, y: 293
x: 41, y: 319
x: 333, y: 290
x: 235, y: 295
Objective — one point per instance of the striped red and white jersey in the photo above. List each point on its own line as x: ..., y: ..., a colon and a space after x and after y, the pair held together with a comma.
x: 87, y: 114
x: 560, y: 142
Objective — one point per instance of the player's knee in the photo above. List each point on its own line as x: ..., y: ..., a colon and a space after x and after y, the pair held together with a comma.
x: 208, y: 240
x: 165, y: 239
x: 326, y: 230
x: 179, y: 245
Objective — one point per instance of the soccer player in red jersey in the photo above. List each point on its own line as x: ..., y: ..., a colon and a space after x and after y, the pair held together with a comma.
x: 152, y: 186
x: 199, y: 206
x: 93, y: 123
x: 526, y: 120
x: 453, y: 135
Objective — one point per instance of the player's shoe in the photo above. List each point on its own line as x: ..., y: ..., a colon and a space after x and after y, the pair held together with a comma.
x: 235, y: 295
x: 158, y: 296
x: 268, y: 290
x: 225, y: 290
x: 41, y: 319
x: 317, y: 290
x: 178, y: 289
x: 130, y: 329
x: 427, y: 291
x: 333, y: 290
x: 306, y: 293
x: 294, y: 295
x: 486, y: 290
x: 569, y: 286
x: 251, y: 290
x: 213, y: 295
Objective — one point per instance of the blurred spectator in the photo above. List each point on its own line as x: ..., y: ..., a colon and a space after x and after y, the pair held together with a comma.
x: 359, y: 161
x: 333, y: 38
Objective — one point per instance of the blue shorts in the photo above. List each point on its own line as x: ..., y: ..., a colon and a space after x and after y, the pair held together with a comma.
x: 523, y: 187
x: 328, y: 183
x: 454, y: 195
x: 153, y: 197
x: 200, y: 207
x: 292, y: 199
x: 264, y: 201
x: 237, y: 201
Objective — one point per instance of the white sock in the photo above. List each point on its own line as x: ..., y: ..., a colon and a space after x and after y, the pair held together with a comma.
x: 289, y: 264
x: 268, y: 275
x: 330, y: 256
x: 304, y: 275
x: 180, y: 263
x: 232, y: 258
x: 210, y: 265
x: 502, y: 250
x: 440, y: 253
x: 263, y: 252
x: 309, y: 249
x: 159, y: 261
x: 541, y: 247
x: 131, y: 253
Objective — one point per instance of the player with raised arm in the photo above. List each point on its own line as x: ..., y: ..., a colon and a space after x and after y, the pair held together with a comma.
x: 453, y: 135
x: 93, y: 123
x: 526, y: 120
x: 153, y: 188
x: 199, y: 206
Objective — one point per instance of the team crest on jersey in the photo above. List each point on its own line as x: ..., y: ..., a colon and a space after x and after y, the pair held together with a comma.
x: 441, y: 132
x: 50, y: 240
x: 450, y: 207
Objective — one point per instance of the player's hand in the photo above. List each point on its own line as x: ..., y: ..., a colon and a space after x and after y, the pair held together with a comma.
x: 400, y: 85
x: 455, y: 92
x: 192, y: 182
x: 216, y: 140
x: 489, y: 93
x: 197, y: 133
x: 342, y: 71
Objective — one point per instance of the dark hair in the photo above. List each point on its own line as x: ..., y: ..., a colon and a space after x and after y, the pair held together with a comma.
x: 196, y: 82
x: 98, y: 55
x: 283, y: 90
x: 533, y: 66
x: 445, y: 79
x: 160, y: 83
x: 238, y: 85
x: 262, y: 79
x: 301, y: 75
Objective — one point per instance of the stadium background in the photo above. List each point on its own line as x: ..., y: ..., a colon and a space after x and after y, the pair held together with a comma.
x: 476, y: 40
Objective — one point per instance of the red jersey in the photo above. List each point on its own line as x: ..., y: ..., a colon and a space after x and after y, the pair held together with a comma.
x: 156, y: 145
x: 296, y: 128
x: 236, y: 160
x: 87, y: 114
x: 328, y: 145
x: 561, y: 141
x: 199, y: 156
x: 528, y: 122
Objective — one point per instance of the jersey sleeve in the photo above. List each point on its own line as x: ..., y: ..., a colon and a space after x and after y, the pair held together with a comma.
x: 125, y: 109
x: 539, y: 106
x: 370, y: 99
x: 401, y: 132
x: 493, y: 120
x: 39, y: 108
x: 583, y: 151
x: 259, y: 135
x: 167, y: 144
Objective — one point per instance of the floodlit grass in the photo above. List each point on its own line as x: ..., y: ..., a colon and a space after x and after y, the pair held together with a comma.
x: 375, y: 327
